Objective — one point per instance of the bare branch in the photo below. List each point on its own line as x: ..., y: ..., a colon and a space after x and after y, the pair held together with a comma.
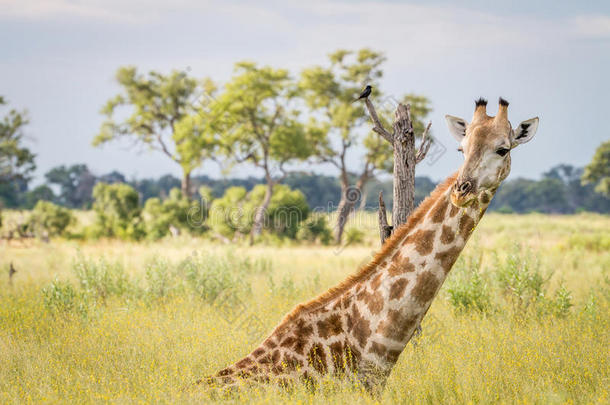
x: 243, y: 159
x: 425, y: 145
x: 385, y: 230
x: 378, y: 126
x: 165, y: 149
x: 325, y: 159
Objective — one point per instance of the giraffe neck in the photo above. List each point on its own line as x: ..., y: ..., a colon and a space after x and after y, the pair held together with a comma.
x: 364, y: 323
x: 415, y: 271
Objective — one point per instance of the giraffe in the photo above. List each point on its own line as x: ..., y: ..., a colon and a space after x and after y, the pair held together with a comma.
x: 361, y: 326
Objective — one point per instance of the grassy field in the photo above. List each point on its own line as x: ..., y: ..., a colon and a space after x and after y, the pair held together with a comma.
x: 523, y: 318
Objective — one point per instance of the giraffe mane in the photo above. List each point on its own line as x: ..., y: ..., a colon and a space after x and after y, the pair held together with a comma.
x: 365, y: 271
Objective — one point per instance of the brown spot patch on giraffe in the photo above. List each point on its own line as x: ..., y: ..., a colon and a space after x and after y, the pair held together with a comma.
x: 246, y: 361
x: 398, y: 288
x: 394, y: 269
x: 379, y: 349
x: 270, y: 343
x: 300, y: 344
x: 275, y: 356
x: 447, y: 235
x: 266, y: 359
x: 259, y: 352
x: 376, y: 282
x: 374, y: 301
x: 438, y: 211
x: 224, y: 372
x: 426, y: 286
x: 288, y: 342
x: 423, y: 241
x: 393, y: 355
x: 396, y: 326
x: 466, y: 226
x: 336, y: 353
x: 330, y: 326
x: 399, y: 267
x: 448, y: 257
x: 303, y: 328
x: 317, y: 359
x: 407, y: 266
x: 454, y: 210
x: 485, y: 198
x: 359, y: 326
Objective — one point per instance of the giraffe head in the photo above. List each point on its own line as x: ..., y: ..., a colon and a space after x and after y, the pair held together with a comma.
x: 486, y: 143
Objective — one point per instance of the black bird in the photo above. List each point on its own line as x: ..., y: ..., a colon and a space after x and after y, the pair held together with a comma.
x: 365, y: 93
x: 11, y: 273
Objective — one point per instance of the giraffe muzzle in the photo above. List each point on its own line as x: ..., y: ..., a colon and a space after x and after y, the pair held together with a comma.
x: 462, y: 193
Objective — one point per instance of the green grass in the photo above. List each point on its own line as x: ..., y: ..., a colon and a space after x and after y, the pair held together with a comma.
x: 111, y: 321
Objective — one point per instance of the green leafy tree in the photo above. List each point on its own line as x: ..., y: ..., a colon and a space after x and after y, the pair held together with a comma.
x: 159, y: 215
x: 117, y: 211
x: 330, y: 92
x: 40, y: 193
x: 235, y: 211
x: 168, y: 113
x: 260, y: 127
x: 16, y: 160
x: 598, y: 171
x: 50, y: 219
x: 75, y: 184
x: 315, y: 229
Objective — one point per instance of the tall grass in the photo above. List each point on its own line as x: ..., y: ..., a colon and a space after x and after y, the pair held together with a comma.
x: 524, y: 317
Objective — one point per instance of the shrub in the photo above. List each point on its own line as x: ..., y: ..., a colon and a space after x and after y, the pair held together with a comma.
x: 234, y: 211
x: 562, y: 301
x: 101, y: 279
x: 159, y: 281
x: 49, y: 218
x: 213, y: 276
x: 315, y: 229
x: 61, y: 298
x: 173, y: 211
x: 521, y: 280
x: 227, y: 213
x: 596, y: 243
x: 117, y: 211
x: 467, y: 287
x: 354, y: 235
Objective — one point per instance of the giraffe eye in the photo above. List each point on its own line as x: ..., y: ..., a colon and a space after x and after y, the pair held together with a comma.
x: 502, y: 151
x: 460, y: 149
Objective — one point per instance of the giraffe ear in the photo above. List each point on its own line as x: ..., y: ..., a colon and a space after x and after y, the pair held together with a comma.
x: 524, y: 132
x: 457, y: 127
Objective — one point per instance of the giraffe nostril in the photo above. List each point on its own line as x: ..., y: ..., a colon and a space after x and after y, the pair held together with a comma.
x: 465, y: 187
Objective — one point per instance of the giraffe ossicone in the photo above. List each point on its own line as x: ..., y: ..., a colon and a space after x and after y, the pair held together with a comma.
x: 361, y: 326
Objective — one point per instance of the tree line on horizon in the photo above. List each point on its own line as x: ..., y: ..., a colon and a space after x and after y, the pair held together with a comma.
x: 266, y: 118
x: 559, y: 191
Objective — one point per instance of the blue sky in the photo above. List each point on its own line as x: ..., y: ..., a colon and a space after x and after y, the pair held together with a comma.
x: 548, y: 58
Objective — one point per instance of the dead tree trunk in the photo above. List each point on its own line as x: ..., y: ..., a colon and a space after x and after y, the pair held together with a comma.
x: 406, y: 157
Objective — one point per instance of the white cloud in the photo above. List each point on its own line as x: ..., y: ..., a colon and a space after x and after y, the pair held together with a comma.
x: 592, y: 26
